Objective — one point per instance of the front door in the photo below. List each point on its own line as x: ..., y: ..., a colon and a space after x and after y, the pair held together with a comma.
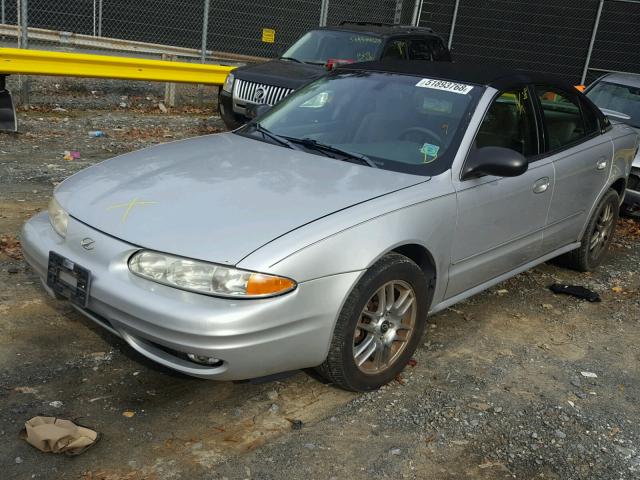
x: 501, y: 220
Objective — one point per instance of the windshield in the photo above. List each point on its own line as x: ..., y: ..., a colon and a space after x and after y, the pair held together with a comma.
x: 398, y: 122
x: 320, y: 46
x: 620, y: 98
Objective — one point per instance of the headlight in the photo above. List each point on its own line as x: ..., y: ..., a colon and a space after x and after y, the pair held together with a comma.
x: 58, y: 217
x: 207, y: 278
x: 228, y: 83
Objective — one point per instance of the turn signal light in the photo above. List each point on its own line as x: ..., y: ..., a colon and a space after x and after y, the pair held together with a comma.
x: 260, y: 284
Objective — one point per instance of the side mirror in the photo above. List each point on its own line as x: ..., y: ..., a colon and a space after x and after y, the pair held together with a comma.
x: 255, y: 110
x: 498, y: 161
x: 615, y: 115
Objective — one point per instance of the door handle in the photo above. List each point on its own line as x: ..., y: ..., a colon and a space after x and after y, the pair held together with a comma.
x: 602, y: 164
x: 541, y: 185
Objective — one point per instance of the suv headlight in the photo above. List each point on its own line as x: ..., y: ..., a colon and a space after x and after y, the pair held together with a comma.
x: 207, y: 278
x: 58, y: 217
x: 228, y: 83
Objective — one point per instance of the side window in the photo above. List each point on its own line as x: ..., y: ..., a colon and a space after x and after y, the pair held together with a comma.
x: 428, y: 48
x: 420, y: 49
x: 439, y: 51
x: 510, y: 123
x: 591, y: 120
x: 395, y: 50
x: 563, y: 117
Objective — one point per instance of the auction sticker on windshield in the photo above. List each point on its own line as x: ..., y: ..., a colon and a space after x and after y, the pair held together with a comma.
x: 452, y: 87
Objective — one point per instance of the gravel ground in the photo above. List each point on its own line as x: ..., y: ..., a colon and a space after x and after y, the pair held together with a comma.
x: 495, y: 390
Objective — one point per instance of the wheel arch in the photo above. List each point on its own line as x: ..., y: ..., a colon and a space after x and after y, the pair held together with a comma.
x: 422, y: 257
x: 620, y: 185
x: 417, y: 253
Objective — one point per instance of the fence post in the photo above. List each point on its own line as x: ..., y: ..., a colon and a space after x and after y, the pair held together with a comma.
x: 453, y: 23
x: 417, y: 11
x: 169, y: 88
x: 203, y: 49
x: 594, y: 33
x: 398, y: 12
x: 24, y: 43
x: 324, y: 12
x: 99, y: 18
x: 3, y: 12
x: 205, y: 30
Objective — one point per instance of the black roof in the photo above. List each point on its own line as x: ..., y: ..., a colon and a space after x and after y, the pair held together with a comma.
x: 477, y: 73
x: 380, y: 28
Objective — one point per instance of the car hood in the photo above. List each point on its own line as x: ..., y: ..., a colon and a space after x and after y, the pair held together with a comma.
x: 218, y: 197
x: 281, y: 73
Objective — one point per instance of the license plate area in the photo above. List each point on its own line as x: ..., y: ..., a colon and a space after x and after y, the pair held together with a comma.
x: 68, y: 279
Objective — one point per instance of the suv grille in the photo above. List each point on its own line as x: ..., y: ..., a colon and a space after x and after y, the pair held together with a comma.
x: 251, y: 92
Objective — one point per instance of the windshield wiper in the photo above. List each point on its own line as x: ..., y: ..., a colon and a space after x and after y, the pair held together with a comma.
x: 308, y: 62
x: 276, y: 138
x: 322, y: 147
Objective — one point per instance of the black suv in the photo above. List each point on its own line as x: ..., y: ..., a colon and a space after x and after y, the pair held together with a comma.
x: 317, y: 52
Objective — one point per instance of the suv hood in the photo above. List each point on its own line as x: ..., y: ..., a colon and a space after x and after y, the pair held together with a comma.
x: 281, y: 73
x: 218, y: 197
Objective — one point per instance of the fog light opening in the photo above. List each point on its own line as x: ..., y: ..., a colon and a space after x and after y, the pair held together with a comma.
x: 204, y: 360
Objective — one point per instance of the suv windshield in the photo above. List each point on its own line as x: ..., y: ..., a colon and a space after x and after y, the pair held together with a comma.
x: 397, y: 122
x: 620, y: 98
x: 319, y: 46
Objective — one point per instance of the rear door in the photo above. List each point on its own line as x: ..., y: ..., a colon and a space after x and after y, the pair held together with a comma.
x: 581, y: 156
x: 501, y: 220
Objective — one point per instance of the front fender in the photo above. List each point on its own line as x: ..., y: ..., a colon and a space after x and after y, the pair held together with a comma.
x: 356, y: 238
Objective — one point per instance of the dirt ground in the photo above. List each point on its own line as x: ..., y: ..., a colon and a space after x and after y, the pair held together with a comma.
x: 495, y: 391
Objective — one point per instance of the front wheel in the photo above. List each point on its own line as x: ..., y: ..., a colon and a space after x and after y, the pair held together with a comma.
x: 379, y: 326
x: 597, y: 236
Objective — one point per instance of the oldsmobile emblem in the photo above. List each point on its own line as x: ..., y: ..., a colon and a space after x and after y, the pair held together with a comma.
x: 87, y: 243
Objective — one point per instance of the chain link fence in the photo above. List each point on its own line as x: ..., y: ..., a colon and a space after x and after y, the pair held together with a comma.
x: 233, y: 26
x: 567, y: 38
x: 617, y: 41
x: 574, y: 39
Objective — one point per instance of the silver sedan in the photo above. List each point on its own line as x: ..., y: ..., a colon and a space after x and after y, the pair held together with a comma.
x: 618, y: 96
x: 323, y: 233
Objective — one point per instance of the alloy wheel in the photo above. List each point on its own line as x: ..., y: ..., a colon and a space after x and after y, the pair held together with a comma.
x: 602, y: 231
x: 384, y: 327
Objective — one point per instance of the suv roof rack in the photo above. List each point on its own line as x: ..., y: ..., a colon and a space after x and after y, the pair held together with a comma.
x: 378, y: 24
x: 385, y: 26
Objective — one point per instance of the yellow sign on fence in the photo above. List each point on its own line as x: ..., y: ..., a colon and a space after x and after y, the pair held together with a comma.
x: 268, y: 35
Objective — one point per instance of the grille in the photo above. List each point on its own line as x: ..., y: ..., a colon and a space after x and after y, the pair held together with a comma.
x: 252, y: 92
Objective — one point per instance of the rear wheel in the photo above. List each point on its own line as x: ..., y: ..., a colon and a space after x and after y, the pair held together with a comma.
x: 597, y: 236
x: 379, y: 326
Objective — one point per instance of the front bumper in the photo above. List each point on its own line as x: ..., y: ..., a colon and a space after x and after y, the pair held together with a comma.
x: 230, y: 118
x: 253, y: 338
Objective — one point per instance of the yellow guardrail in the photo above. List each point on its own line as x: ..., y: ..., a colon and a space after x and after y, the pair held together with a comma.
x: 40, y: 62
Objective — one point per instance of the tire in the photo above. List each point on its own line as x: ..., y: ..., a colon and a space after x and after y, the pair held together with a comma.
x: 356, y: 331
x: 603, y: 221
